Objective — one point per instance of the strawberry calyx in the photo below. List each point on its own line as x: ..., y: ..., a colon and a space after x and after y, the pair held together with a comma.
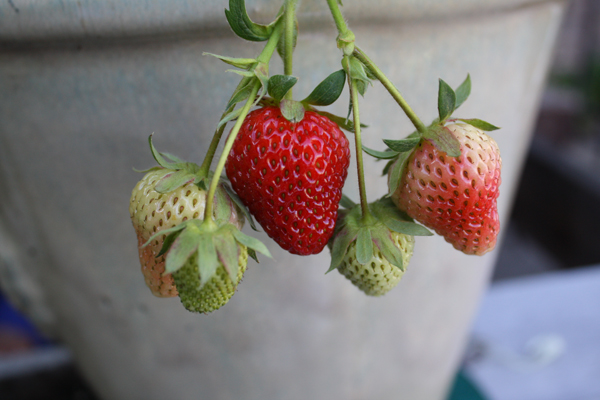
x: 372, y: 232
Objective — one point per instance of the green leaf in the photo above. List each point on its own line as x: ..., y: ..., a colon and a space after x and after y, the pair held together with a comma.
x: 446, y: 100
x: 403, y: 145
x: 252, y: 254
x: 165, y: 232
x: 361, y: 86
x: 384, y: 242
x: 342, y: 122
x: 238, y: 202
x: 480, y: 124
x: 158, y: 156
x: 243, y: 26
x: 358, y: 71
x: 396, y: 171
x: 279, y: 85
x: 207, y: 258
x: 364, y: 246
x: 463, y: 92
x: 292, y: 110
x: 387, y: 168
x: 340, y: 245
x: 182, y: 249
x: 346, y: 202
x: 242, y: 63
x: 328, y: 91
x: 443, y: 140
x: 251, y: 243
x: 227, y: 251
x: 245, y: 74
x: 229, y: 117
x: 173, y: 158
x: 381, y: 155
x: 407, y: 228
x: 174, y: 180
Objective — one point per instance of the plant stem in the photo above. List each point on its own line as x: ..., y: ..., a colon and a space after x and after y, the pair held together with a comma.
x: 338, y: 18
x: 358, y: 53
x: 208, y: 211
x: 290, y: 22
x: 366, y: 214
x: 264, y: 56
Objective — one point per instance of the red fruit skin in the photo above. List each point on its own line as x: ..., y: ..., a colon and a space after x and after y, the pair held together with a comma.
x: 456, y: 197
x: 290, y: 176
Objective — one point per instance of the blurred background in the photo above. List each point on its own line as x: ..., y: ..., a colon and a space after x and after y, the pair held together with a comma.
x: 537, y: 335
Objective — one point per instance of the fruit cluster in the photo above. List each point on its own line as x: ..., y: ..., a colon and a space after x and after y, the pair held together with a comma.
x: 286, y: 163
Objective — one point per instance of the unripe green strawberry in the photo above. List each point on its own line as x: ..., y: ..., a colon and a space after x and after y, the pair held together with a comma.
x: 378, y: 276
x: 455, y: 196
x: 215, y: 293
x: 152, y: 212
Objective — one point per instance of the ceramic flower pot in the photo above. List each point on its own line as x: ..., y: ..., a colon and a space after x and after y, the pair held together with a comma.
x: 84, y: 83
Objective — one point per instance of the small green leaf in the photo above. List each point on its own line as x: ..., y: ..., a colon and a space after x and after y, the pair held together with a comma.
x: 358, y: 71
x: 346, y: 202
x: 245, y: 74
x: 397, y: 170
x: 361, y: 86
x: 328, y: 91
x: 253, y: 255
x: 364, y: 246
x: 292, y: 110
x: 463, y: 92
x: 165, y: 232
x: 238, y: 202
x: 279, y: 85
x: 207, y: 259
x: 174, y: 180
x: 158, y: 156
x: 173, y: 158
x: 340, y: 245
x: 229, y: 117
x: 403, y: 145
x: 446, y: 100
x: 407, y: 228
x: 251, y: 243
x: 182, y: 249
x: 242, y: 63
x: 443, y: 140
x: 480, y: 124
x: 242, y: 25
x: 384, y: 242
x: 228, y: 254
x: 387, y: 168
x: 242, y: 92
x: 380, y: 155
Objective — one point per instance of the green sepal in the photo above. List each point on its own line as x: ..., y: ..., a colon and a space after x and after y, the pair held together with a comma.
x: 174, y: 180
x: 446, y: 100
x: 463, y: 91
x: 167, y: 232
x: 443, y: 140
x: 143, y: 171
x: 388, y: 154
x: 407, y: 228
x: 245, y: 74
x: 182, y: 249
x: 346, y: 202
x: 396, y: 170
x: 253, y: 255
x: 479, y: 124
x: 382, y: 238
x: 396, y: 220
x: 358, y: 73
x: 292, y: 110
x: 364, y: 246
x: 228, y: 253
x: 342, y: 122
x: 242, y: 25
x: 279, y: 85
x: 242, y: 63
x: 229, y: 117
x: 242, y: 92
x: 238, y: 202
x: 341, y: 241
x: 387, y: 167
x: 328, y: 91
x: 168, y: 242
x: 251, y: 243
x: 207, y: 259
x: 222, y: 205
x: 403, y: 145
x: 261, y: 71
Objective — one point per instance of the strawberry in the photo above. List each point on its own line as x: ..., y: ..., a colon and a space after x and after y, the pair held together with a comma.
x: 378, y: 276
x: 290, y: 176
x: 455, y: 196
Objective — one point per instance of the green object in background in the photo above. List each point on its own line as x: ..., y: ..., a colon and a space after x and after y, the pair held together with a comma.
x: 464, y: 389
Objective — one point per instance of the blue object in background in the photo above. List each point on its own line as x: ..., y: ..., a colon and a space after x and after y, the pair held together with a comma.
x: 11, y: 318
x: 464, y: 389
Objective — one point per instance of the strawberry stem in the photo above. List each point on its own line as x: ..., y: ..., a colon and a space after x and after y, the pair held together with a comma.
x: 394, y: 92
x: 366, y: 214
x: 345, y: 39
x: 290, y: 20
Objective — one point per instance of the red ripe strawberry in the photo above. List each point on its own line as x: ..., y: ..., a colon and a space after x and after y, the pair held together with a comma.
x: 455, y: 196
x: 290, y: 176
